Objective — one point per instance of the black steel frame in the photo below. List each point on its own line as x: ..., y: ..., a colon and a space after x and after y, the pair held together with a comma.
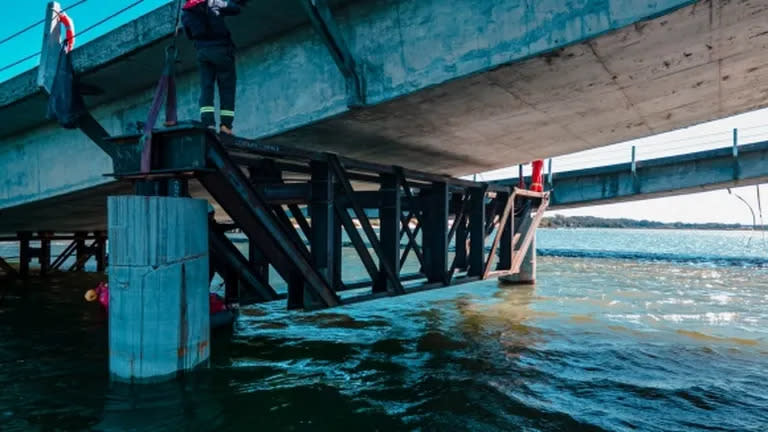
x: 295, y: 226
x: 78, y: 247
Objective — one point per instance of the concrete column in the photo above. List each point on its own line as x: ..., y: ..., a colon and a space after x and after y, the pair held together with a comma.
x: 158, y: 278
x: 527, y: 273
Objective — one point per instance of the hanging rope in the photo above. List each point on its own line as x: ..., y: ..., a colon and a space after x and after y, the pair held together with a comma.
x: 166, y: 89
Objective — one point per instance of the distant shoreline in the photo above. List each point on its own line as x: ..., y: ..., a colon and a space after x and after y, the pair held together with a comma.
x: 560, y: 221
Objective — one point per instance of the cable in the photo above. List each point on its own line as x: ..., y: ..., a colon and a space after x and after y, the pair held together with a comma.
x: 17, y: 62
x: 109, y: 17
x: 32, y: 26
x: 87, y: 29
x: 22, y: 31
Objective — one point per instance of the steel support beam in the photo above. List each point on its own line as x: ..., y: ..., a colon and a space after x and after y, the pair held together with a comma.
x: 322, y: 231
x: 236, y: 271
x: 462, y: 235
x: 80, y: 251
x: 270, y: 213
x: 505, y: 244
x: 100, y: 251
x: 436, y: 233
x: 233, y: 191
x: 477, y: 232
x: 393, y: 280
x: 7, y: 268
x: 390, y: 214
x: 64, y: 255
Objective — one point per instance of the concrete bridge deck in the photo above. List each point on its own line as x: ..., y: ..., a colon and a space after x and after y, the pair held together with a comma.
x: 655, y: 178
x: 456, y: 88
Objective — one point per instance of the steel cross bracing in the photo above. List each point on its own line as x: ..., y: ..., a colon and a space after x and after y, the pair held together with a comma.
x: 294, y: 206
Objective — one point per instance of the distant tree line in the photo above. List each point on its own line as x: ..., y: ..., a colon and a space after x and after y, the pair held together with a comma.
x: 560, y: 221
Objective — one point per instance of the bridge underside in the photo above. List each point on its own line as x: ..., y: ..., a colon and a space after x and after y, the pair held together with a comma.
x: 698, y: 63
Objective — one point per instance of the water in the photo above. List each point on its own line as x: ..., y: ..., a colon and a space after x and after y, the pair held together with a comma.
x: 605, y: 343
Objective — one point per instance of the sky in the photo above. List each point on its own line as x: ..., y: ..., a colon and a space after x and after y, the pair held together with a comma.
x: 716, y: 206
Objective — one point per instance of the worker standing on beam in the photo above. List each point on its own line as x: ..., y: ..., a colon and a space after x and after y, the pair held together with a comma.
x: 204, y: 24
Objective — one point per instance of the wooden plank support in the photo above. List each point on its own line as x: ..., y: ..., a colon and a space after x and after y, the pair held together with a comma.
x: 508, y: 207
x: 529, y: 234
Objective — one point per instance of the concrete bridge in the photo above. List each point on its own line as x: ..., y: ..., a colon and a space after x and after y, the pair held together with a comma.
x: 452, y: 88
x: 655, y: 178
x: 409, y: 93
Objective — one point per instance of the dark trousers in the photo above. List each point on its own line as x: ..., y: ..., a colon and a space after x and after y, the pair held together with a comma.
x: 217, y: 66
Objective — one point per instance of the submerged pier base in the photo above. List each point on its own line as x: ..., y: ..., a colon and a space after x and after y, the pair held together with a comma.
x: 527, y: 274
x: 158, y: 277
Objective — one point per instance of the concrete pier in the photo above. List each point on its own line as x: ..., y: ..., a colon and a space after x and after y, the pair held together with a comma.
x: 527, y: 274
x: 158, y: 276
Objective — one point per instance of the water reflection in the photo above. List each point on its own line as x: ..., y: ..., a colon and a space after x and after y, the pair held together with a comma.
x: 161, y: 407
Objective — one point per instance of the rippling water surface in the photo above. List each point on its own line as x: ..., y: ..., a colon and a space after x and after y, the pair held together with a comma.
x: 605, y: 343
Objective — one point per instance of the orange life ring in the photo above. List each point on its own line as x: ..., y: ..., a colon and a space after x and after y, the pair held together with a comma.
x: 69, y: 25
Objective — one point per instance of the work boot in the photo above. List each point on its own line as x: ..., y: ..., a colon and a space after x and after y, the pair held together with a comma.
x: 225, y: 130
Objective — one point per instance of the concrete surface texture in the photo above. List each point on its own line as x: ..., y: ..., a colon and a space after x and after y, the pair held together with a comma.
x: 158, y: 279
x: 454, y: 87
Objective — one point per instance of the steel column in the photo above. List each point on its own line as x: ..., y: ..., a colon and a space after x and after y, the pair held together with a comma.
x: 436, y: 233
x: 365, y: 223
x: 477, y: 231
x: 80, y: 251
x: 461, y: 241
x: 323, y: 227
x: 231, y: 189
x: 101, y: 250
x: 505, y: 245
x: 390, y: 214
x: 25, y: 253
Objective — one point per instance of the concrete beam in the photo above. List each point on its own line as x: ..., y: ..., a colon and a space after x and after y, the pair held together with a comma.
x: 655, y: 178
x: 457, y: 87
